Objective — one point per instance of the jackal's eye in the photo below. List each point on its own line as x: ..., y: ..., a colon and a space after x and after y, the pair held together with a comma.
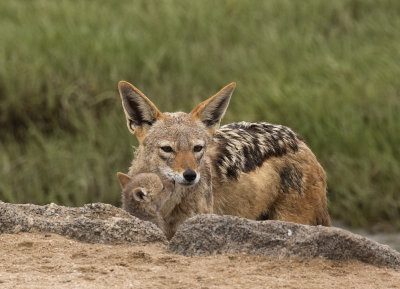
x: 167, y: 149
x: 197, y: 148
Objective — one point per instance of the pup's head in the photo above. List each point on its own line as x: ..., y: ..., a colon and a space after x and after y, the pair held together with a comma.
x: 173, y: 144
x: 143, y: 195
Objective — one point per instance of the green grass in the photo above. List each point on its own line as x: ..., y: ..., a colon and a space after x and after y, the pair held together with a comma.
x: 330, y: 70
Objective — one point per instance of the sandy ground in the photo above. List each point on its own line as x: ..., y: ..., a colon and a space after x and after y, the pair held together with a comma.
x: 51, y: 261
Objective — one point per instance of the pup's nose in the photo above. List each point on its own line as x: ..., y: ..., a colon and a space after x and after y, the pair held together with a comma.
x: 189, y: 175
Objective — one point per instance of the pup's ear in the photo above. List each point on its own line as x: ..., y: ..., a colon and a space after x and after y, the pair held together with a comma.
x: 140, y: 195
x: 140, y: 112
x: 211, y: 111
x: 123, y: 179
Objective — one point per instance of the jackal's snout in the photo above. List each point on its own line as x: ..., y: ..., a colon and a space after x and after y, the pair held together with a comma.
x: 188, y: 178
x: 190, y: 175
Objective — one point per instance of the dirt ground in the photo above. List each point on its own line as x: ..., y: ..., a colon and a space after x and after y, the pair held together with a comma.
x: 51, y: 261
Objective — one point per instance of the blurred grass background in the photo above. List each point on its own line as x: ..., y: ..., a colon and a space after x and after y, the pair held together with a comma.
x: 328, y: 69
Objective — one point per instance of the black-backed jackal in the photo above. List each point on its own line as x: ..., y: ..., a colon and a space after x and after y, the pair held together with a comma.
x: 253, y: 170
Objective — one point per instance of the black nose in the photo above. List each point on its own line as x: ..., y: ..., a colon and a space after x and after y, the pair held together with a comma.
x: 189, y: 175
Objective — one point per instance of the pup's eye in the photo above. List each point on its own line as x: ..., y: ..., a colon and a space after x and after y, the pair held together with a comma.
x: 167, y: 149
x: 197, y: 148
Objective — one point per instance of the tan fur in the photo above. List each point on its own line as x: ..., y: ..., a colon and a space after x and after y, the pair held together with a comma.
x: 183, y: 161
x: 143, y: 196
x: 256, y: 171
x: 259, y: 190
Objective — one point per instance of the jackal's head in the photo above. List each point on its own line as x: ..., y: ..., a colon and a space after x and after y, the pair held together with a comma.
x: 173, y: 144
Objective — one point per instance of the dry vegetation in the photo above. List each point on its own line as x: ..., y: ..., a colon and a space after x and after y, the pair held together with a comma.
x: 330, y: 70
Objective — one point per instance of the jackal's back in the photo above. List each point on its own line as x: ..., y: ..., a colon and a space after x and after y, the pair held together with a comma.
x: 244, y: 146
x: 266, y: 171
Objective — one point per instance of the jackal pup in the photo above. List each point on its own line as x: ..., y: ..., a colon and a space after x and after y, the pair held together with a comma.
x: 253, y: 170
x: 143, y: 196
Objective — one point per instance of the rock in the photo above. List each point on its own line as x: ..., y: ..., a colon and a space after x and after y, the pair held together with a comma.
x: 213, y: 234
x: 94, y: 223
x: 200, y: 235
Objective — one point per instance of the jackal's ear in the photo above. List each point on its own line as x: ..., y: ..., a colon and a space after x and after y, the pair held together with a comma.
x: 211, y: 111
x: 140, y: 195
x: 123, y: 179
x: 140, y: 112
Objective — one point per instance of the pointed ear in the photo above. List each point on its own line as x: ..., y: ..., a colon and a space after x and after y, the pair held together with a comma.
x: 211, y: 111
x: 139, y: 195
x: 123, y: 179
x: 140, y: 112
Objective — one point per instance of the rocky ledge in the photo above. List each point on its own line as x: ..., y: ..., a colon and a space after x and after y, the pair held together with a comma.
x: 200, y: 235
x: 212, y: 234
x: 93, y: 223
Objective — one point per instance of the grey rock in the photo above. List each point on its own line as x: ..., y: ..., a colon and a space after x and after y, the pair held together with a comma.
x: 200, y: 235
x: 94, y: 223
x: 212, y: 234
